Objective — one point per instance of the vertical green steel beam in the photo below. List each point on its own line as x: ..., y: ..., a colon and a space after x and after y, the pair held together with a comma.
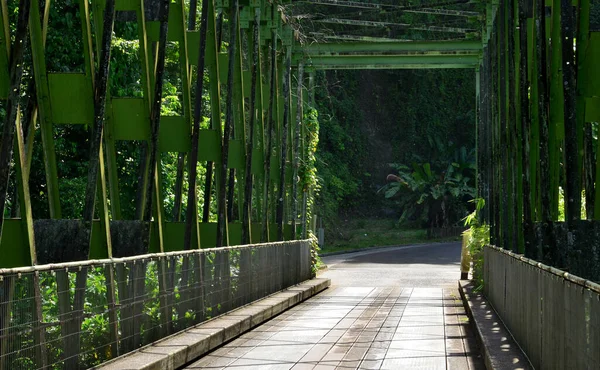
x: 213, y: 45
x: 284, y: 141
x: 495, y: 209
x: 109, y: 174
x: 147, y: 79
x: 311, y: 191
x: 9, y: 145
x: 222, y: 235
x: 239, y: 121
x: 297, y: 148
x: 44, y: 109
x: 290, y: 153
x: 153, y: 174
x: 583, y: 35
x: 304, y: 159
x: 478, y: 131
x: 518, y: 136
x: 100, y: 85
x: 185, y: 72
x: 513, y: 130
x: 260, y: 127
x: 12, y: 145
x: 278, y: 111
x: 483, y: 147
x: 250, y: 140
x: 191, y: 237
x: 572, y: 132
x: 492, y: 142
x: 504, y: 144
x: 497, y: 158
x: 536, y: 202
x: 542, y: 108
x: 556, y: 127
x: 30, y: 114
x: 12, y: 109
x: 270, y: 136
x: 480, y: 135
x: 488, y: 136
x: 523, y: 90
x: 191, y: 216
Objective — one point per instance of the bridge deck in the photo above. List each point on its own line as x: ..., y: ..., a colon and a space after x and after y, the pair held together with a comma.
x: 359, y: 327
x: 368, y: 319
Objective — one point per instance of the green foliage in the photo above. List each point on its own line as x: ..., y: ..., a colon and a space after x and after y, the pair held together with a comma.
x: 434, y: 193
x: 341, y: 153
x: 361, y: 233
x: 307, y: 172
x: 125, y: 68
x: 478, y: 235
x: 316, y: 261
x: 307, y: 175
x: 369, y: 119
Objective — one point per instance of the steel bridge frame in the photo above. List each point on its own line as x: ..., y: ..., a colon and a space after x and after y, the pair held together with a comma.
x: 260, y: 141
x: 263, y: 161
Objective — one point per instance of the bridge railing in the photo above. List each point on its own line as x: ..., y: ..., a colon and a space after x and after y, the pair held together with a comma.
x: 46, y: 321
x: 554, y: 316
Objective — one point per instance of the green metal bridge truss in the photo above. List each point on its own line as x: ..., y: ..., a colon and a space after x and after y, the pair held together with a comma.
x: 536, y: 98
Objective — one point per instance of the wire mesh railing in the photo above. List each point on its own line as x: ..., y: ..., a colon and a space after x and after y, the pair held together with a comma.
x: 553, y: 315
x: 81, y: 314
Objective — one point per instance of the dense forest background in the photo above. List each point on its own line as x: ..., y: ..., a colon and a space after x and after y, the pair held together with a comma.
x: 372, y: 122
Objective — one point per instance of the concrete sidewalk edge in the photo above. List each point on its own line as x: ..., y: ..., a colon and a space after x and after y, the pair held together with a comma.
x: 188, y: 345
x: 500, y: 350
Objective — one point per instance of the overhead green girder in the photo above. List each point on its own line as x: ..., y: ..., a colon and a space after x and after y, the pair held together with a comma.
x: 399, y: 47
x: 451, y: 12
x: 363, y: 23
x: 365, y: 5
x: 324, y: 36
x: 392, y: 61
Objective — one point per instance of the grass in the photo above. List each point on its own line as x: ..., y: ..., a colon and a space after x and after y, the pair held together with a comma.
x: 358, y: 234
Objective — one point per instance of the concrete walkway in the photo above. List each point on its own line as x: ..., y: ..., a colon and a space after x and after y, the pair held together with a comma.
x: 382, y: 326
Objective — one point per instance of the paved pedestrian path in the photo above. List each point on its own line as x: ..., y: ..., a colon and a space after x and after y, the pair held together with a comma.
x: 395, y: 308
x: 359, y: 327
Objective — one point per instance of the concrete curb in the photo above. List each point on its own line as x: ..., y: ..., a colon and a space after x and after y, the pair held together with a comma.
x: 500, y: 350
x: 188, y: 345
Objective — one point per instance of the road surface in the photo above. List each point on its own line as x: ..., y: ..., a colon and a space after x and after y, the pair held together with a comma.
x: 395, y: 308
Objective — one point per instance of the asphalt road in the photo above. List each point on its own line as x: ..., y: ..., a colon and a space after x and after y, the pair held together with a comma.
x: 428, y: 265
